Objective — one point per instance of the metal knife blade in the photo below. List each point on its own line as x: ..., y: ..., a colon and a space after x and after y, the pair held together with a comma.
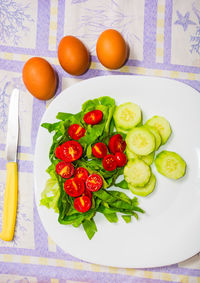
x: 13, y: 127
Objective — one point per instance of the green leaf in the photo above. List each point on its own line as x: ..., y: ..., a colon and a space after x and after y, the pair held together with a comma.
x: 127, y: 218
x: 50, y: 194
x: 111, y: 217
x: 63, y: 116
x: 50, y: 127
x: 89, y: 227
x: 123, y: 185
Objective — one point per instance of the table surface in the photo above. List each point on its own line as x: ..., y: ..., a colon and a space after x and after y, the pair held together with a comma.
x: 164, y: 41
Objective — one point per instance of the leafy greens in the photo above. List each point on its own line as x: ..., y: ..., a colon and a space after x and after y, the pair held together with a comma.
x: 105, y: 201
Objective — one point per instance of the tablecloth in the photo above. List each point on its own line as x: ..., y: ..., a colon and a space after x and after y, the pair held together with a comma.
x: 164, y: 41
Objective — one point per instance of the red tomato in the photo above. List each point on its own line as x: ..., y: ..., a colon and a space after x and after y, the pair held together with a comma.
x: 74, y: 187
x: 65, y: 169
x: 57, y: 152
x: 94, y: 182
x: 81, y: 173
x: 93, y: 117
x: 99, y: 150
x: 87, y: 193
x: 82, y: 204
x: 120, y: 158
x: 76, y: 132
x: 109, y: 162
x: 117, y: 143
x: 71, y: 151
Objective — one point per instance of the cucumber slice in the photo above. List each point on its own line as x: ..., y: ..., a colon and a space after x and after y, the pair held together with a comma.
x: 170, y: 164
x: 162, y: 125
x: 130, y: 154
x: 137, y: 172
x: 156, y: 134
x: 127, y: 116
x: 141, y: 141
x: 146, y: 190
x: 119, y: 130
x: 148, y: 159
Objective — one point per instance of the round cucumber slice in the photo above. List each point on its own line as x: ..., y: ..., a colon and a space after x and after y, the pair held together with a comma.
x: 170, y: 164
x: 162, y: 125
x: 130, y: 154
x: 156, y: 134
x: 127, y: 116
x: 141, y: 141
x: 146, y: 190
x: 137, y: 172
x: 148, y: 159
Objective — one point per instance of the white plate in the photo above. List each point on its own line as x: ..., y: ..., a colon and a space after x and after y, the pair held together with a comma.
x: 169, y: 232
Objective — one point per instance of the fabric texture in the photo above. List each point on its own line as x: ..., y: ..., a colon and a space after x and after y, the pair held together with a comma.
x: 164, y: 41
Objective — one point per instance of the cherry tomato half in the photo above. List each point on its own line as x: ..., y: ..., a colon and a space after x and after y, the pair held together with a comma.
x: 120, y: 158
x: 82, y: 204
x: 93, y: 117
x: 76, y: 132
x: 94, y: 182
x: 109, y: 162
x: 71, y: 151
x: 74, y: 187
x: 57, y: 152
x: 99, y: 150
x: 87, y: 193
x: 81, y: 173
x: 65, y: 169
x: 117, y: 143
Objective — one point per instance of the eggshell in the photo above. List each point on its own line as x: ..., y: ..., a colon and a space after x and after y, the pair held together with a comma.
x: 39, y: 78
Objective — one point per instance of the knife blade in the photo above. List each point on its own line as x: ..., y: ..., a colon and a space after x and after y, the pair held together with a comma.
x: 11, y: 188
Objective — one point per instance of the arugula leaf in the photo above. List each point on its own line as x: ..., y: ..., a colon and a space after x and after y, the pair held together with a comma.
x: 89, y: 227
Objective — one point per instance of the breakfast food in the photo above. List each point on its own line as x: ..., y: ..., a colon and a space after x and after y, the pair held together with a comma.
x: 39, y: 78
x: 73, y: 55
x: 111, y: 49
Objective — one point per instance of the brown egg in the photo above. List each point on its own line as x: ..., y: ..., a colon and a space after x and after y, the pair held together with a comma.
x: 111, y: 49
x: 39, y: 78
x: 73, y: 55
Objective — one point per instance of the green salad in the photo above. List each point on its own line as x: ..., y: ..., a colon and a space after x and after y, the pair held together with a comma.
x: 91, y: 149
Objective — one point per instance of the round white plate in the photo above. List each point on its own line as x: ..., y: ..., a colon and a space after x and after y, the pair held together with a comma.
x: 169, y: 231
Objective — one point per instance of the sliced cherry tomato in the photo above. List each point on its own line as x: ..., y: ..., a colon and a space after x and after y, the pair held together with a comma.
x: 117, y: 143
x: 120, y: 158
x: 87, y: 193
x: 82, y: 204
x: 94, y: 182
x: 57, y: 152
x: 65, y: 169
x: 93, y: 117
x: 74, y: 187
x: 109, y: 162
x: 71, y: 151
x: 99, y: 150
x: 76, y: 132
x: 81, y: 173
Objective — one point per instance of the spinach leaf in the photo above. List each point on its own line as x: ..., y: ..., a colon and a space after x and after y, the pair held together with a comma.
x: 111, y: 217
x: 127, y: 218
x: 89, y: 227
x: 123, y: 185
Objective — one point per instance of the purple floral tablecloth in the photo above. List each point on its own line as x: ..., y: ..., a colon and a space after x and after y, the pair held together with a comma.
x: 164, y: 40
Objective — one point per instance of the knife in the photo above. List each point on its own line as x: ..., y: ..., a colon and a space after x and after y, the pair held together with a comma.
x: 11, y: 188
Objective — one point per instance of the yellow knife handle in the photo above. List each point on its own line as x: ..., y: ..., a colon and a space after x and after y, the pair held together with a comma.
x: 10, y: 202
